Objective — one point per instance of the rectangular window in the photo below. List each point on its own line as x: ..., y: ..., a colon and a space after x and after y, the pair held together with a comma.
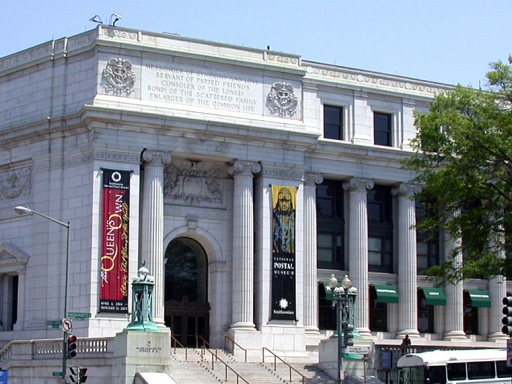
x: 380, y: 229
x: 333, y: 122
x: 382, y: 123
x: 378, y: 313
x: 330, y: 224
x: 427, y: 244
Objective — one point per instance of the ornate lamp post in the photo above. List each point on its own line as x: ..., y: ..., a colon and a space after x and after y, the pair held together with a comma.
x: 343, y: 299
x: 23, y: 211
x: 142, y: 302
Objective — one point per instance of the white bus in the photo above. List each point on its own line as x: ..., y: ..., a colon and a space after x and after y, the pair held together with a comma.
x: 450, y: 367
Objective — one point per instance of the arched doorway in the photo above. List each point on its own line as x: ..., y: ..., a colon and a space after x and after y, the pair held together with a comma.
x: 186, y: 297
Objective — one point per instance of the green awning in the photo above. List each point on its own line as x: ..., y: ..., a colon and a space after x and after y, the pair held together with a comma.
x: 328, y: 290
x: 386, y: 293
x: 434, y: 296
x: 479, y: 298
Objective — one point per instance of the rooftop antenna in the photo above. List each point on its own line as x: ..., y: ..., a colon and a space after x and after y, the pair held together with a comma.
x: 96, y: 19
x: 115, y: 17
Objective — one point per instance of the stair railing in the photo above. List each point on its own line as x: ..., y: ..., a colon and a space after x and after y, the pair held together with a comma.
x: 216, y: 358
x: 177, y: 343
x: 234, y: 343
x: 290, y: 368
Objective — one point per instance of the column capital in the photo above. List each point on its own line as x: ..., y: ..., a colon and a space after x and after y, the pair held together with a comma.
x: 358, y: 184
x: 244, y: 167
x: 311, y: 179
x: 156, y: 157
x: 406, y: 190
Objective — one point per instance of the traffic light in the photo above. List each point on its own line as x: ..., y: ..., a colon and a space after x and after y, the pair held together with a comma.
x: 71, y: 346
x: 507, y: 318
x: 78, y: 375
x: 348, y: 335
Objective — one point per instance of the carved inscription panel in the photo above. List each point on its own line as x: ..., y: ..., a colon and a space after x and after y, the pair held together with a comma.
x: 203, y: 88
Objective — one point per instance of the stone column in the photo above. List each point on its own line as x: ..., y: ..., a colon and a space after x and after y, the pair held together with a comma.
x: 243, y: 246
x: 407, y: 261
x: 497, y: 291
x: 454, y: 311
x: 310, y: 249
x: 152, y: 228
x: 358, y: 249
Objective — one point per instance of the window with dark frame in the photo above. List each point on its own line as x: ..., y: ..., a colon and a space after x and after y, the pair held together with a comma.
x: 378, y: 313
x: 427, y: 244
x: 425, y: 314
x: 330, y: 225
x: 470, y: 316
x: 326, y: 312
x: 333, y: 122
x: 382, y: 123
x: 380, y: 229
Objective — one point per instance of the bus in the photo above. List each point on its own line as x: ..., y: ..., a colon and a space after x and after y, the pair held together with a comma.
x: 450, y: 367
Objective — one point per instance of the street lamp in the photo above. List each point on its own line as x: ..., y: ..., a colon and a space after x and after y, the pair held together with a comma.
x: 343, y: 298
x: 24, y: 211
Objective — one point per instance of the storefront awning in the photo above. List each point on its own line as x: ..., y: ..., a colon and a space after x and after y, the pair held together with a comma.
x: 479, y: 298
x: 386, y: 293
x: 434, y: 296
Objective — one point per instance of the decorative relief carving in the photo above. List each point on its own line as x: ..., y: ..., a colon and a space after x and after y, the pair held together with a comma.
x: 376, y: 80
x: 282, y: 59
x: 282, y: 173
x: 281, y: 99
x: 358, y: 185
x: 119, y: 34
x: 15, y: 183
x: 118, y: 76
x: 193, y: 186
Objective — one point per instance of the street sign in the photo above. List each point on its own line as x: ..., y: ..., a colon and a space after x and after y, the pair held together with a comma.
x: 53, y: 323
x: 67, y: 325
x: 57, y: 374
x: 358, y: 349
x: 79, y: 315
x: 4, y: 377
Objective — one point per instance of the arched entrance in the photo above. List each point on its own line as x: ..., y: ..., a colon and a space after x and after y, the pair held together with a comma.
x: 186, y: 297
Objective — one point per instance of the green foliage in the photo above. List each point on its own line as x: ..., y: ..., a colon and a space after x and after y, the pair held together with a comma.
x: 463, y: 157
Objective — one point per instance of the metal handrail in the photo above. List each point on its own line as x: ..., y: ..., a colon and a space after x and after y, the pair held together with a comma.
x: 234, y: 344
x: 176, y: 342
x: 304, y: 378
x: 201, y: 338
x: 215, y: 357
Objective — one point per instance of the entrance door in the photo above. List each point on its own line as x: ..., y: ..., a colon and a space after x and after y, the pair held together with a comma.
x: 186, y: 306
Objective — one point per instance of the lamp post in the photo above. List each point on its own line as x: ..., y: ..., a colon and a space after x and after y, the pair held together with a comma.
x: 343, y: 298
x: 24, y: 211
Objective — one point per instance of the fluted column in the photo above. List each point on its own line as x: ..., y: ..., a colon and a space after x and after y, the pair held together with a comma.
x: 310, y: 249
x: 358, y: 249
x: 497, y: 291
x: 152, y: 229
x: 454, y: 311
x: 407, y: 261
x: 243, y: 245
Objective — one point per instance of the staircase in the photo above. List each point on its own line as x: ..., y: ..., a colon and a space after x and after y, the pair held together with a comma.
x: 210, y: 368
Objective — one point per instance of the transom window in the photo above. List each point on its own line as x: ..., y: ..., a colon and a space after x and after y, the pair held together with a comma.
x: 333, y: 122
x: 382, y: 123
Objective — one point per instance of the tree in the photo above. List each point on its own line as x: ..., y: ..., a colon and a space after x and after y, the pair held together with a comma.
x: 463, y: 158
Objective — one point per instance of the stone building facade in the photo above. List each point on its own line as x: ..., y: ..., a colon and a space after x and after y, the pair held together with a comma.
x: 250, y: 177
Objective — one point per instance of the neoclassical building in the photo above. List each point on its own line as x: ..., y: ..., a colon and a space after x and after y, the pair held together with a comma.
x: 243, y: 178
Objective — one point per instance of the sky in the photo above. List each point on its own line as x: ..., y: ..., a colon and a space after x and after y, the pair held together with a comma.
x: 446, y: 41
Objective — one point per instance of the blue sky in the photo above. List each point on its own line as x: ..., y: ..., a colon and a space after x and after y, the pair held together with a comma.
x: 447, y: 41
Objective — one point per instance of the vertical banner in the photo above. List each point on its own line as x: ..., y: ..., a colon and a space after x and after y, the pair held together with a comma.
x: 284, y: 201
x: 114, y: 247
